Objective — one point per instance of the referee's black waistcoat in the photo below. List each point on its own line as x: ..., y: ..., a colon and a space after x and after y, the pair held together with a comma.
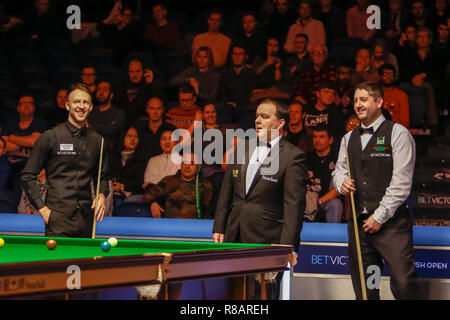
x: 372, y: 167
x: 71, y: 164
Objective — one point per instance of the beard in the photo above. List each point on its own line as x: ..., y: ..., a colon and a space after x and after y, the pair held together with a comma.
x: 104, y: 100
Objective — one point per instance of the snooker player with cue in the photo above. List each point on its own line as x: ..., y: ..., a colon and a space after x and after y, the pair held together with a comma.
x: 70, y: 154
x: 375, y: 166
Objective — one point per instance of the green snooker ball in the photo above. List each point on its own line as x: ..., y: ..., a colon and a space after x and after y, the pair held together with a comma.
x: 113, y: 242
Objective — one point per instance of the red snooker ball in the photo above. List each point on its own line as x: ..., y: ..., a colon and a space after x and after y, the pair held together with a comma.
x: 51, y: 244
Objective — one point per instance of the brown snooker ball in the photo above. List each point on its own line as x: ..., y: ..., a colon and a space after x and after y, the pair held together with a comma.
x: 51, y: 244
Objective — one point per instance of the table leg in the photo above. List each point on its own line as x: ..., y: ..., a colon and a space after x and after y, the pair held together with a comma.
x: 263, y: 286
x: 244, y: 288
x: 238, y: 288
x: 166, y: 291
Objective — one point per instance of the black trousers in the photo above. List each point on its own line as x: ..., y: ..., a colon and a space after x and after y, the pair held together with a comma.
x: 76, y: 225
x: 391, y: 245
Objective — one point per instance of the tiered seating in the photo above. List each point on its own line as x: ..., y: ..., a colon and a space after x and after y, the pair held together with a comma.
x: 111, y: 74
x: 43, y: 68
x: 417, y: 99
x: 344, y: 49
x: 431, y: 185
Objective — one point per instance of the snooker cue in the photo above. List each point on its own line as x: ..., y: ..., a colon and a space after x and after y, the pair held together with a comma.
x: 355, y: 224
x: 98, y: 188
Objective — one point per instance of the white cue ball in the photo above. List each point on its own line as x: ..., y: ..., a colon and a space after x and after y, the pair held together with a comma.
x: 113, y: 242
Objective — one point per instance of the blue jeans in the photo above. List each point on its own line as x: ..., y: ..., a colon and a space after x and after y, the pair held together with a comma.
x: 333, y: 210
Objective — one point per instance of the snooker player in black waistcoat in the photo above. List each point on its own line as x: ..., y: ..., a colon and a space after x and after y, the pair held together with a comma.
x: 70, y: 154
x: 381, y: 158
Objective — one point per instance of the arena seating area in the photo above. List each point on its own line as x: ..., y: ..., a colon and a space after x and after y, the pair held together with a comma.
x: 42, y: 67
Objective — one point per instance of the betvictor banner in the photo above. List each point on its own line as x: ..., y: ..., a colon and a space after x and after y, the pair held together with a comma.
x: 439, y: 199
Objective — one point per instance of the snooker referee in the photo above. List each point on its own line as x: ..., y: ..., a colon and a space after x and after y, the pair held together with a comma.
x: 70, y: 155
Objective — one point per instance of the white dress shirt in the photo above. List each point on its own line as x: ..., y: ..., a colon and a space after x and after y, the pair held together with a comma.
x: 258, y: 156
x: 159, y: 167
x: 403, y: 157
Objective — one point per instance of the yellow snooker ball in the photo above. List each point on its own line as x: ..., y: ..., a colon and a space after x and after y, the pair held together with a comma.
x: 2, y: 242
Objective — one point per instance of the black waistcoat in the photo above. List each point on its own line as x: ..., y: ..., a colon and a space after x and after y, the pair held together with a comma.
x: 372, y: 167
x: 72, y: 169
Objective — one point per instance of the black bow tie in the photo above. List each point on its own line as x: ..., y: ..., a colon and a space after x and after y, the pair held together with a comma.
x: 264, y: 143
x: 366, y: 130
x: 78, y: 132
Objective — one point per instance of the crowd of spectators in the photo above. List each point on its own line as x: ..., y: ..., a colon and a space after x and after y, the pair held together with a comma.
x: 153, y: 68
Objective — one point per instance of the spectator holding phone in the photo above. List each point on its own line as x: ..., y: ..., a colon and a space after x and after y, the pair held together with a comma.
x: 133, y: 94
x: 271, y: 56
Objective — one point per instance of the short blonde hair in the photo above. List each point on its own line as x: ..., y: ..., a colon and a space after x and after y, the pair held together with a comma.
x: 79, y: 86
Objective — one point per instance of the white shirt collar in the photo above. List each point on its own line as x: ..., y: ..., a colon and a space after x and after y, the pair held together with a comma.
x: 274, y: 141
x: 376, y: 123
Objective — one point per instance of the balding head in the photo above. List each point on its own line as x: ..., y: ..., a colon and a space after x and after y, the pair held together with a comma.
x: 135, y: 71
x: 319, y: 54
x: 155, y: 109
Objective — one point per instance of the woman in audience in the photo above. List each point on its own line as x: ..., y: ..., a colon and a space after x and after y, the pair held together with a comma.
x: 408, y: 36
x: 269, y: 58
x: 406, y: 41
x: 381, y: 55
x: 165, y: 164
x: 210, y: 117
x: 273, y: 73
x: 126, y: 167
x: 210, y: 122
x: 215, y: 171
x: 202, y: 76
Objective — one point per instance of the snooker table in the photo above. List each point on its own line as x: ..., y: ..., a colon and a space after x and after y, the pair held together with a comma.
x: 28, y: 268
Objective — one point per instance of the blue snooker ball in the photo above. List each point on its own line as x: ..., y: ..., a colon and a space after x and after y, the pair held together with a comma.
x: 106, y: 246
